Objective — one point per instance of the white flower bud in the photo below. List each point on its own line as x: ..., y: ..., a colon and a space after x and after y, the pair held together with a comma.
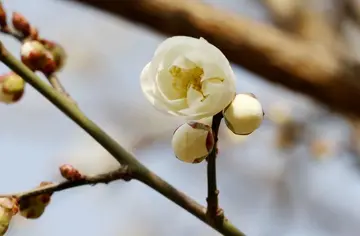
x: 244, y: 115
x: 192, y: 142
x: 12, y: 88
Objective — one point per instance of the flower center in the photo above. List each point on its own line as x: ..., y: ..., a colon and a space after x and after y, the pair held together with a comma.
x: 184, y: 78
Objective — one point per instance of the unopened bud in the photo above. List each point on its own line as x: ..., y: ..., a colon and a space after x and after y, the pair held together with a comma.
x: 21, y: 24
x: 244, y: 114
x: 3, y: 22
x: 37, y: 57
x: 192, y: 142
x: 12, y: 88
x: 7, y: 206
x: 70, y: 173
x: 33, y: 207
x: 57, y: 51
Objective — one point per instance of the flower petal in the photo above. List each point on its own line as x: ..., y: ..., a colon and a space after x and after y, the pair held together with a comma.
x: 164, y: 82
x: 147, y: 83
x: 152, y: 94
x: 174, y: 42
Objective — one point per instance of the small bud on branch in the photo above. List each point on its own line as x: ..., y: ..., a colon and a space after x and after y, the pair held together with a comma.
x: 33, y: 207
x: 70, y: 173
x: 37, y: 57
x: 21, y: 24
x: 12, y: 88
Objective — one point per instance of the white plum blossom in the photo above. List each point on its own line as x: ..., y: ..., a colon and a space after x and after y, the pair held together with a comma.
x: 188, y: 77
x: 244, y: 115
x: 192, y: 142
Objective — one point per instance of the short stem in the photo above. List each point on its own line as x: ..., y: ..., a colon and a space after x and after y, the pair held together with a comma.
x: 213, y: 210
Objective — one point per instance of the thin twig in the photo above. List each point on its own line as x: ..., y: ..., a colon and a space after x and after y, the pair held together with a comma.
x: 141, y: 172
x: 11, y: 32
x: 123, y: 173
x: 213, y: 210
x: 55, y: 83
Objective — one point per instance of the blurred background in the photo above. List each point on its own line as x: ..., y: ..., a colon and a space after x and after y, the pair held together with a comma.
x: 297, y: 175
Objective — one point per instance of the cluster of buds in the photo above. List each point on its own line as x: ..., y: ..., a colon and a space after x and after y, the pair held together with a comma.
x: 42, y: 55
x: 38, y: 54
x: 12, y: 88
x: 8, y: 208
x: 33, y: 207
x: 20, y: 24
x: 29, y: 207
x: 192, y: 142
x: 70, y: 173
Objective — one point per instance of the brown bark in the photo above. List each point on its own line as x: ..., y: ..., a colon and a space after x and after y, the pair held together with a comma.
x: 302, y: 66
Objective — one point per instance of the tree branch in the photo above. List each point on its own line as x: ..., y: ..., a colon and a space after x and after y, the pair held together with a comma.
x: 305, y: 67
x: 284, y: 13
x: 302, y: 18
x: 352, y: 8
x: 142, y: 173
x: 213, y: 210
x: 8, y: 31
x: 123, y: 173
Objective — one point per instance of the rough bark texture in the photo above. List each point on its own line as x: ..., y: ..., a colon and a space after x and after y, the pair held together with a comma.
x: 304, y: 66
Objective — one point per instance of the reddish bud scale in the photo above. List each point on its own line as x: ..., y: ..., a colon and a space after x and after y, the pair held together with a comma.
x: 16, y: 96
x: 49, y: 66
x: 10, y: 203
x: 57, y: 51
x: 35, y: 56
x: 190, y: 144
x: 3, y: 22
x: 210, y: 141
x: 209, y: 138
x: 70, y: 173
x: 21, y: 24
x: 15, y: 208
x: 44, y: 198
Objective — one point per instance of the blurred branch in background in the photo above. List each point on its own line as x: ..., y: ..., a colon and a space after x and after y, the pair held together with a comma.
x: 304, y: 64
x: 352, y: 8
x: 307, y: 21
